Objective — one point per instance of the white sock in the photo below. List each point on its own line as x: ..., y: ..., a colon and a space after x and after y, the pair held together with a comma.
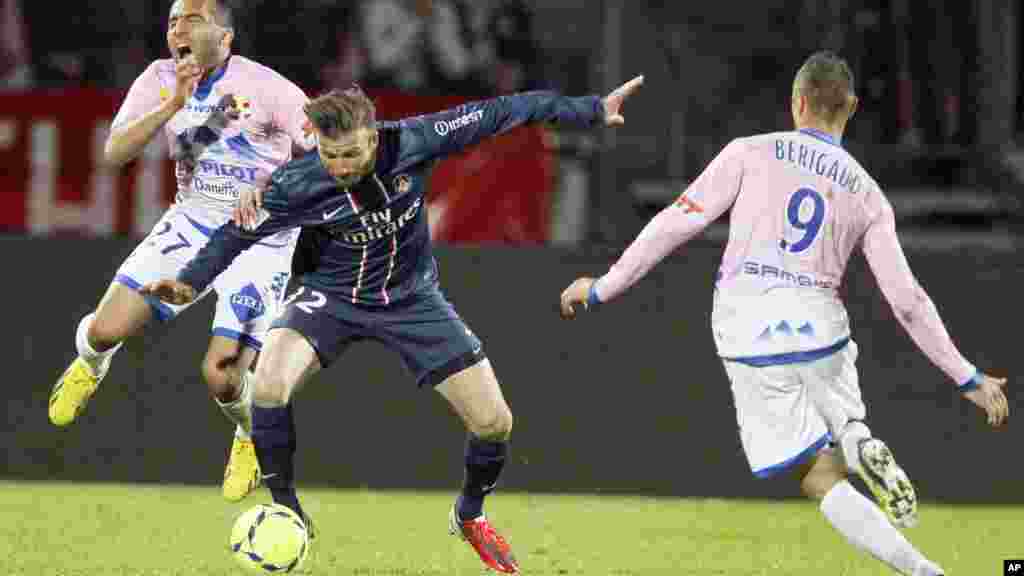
x: 240, y: 410
x: 865, y: 526
x: 98, y: 361
x: 851, y: 435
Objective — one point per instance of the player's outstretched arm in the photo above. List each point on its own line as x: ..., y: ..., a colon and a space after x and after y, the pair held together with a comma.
x: 710, y: 195
x: 432, y: 136
x: 669, y: 229
x: 918, y: 315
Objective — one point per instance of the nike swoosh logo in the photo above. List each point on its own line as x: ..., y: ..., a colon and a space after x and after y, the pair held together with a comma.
x: 268, y: 476
x: 332, y: 213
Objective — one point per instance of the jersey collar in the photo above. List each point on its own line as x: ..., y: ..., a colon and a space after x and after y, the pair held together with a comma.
x: 203, y: 88
x: 823, y: 136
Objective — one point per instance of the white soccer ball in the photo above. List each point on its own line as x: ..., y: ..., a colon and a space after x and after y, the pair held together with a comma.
x: 269, y: 539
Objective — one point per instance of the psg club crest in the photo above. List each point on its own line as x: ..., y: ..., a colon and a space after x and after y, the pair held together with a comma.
x: 402, y: 183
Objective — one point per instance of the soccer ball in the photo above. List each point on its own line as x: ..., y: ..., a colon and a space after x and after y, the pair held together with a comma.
x: 269, y: 539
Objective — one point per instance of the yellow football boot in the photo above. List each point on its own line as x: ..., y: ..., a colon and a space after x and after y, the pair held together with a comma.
x: 72, y: 392
x: 242, y: 474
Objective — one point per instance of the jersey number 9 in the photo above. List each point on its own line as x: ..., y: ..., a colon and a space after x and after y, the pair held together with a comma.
x: 805, y: 214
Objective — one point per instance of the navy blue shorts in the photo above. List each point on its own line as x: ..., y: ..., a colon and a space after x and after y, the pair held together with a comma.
x: 424, y: 329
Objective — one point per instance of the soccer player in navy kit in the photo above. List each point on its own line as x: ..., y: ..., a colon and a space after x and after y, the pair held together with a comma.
x: 365, y: 269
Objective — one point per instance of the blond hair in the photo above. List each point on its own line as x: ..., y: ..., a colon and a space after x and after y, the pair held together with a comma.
x: 826, y: 81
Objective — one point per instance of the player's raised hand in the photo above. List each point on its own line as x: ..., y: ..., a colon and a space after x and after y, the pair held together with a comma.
x: 187, y: 72
x: 170, y: 290
x: 989, y: 397
x: 613, y: 101
x: 249, y: 203
x: 575, y: 294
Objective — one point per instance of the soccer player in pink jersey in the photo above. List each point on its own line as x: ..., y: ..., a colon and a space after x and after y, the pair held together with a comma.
x: 229, y: 123
x: 800, y: 206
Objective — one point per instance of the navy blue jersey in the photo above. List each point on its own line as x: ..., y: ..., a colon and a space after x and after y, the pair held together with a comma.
x: 370, y: 243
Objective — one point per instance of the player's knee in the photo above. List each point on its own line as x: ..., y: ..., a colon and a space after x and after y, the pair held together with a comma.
x: 270, y: 388
x: 825, y: 472
x: 492, y: 424
x: 105, y: 333
x: 217, y: 376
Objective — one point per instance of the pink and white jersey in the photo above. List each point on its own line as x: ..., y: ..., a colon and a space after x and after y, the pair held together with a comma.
x: 239, y: 125
x: 800, y: 206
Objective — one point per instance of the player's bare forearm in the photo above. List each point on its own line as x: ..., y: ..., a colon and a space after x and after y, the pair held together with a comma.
x: 127, y: 142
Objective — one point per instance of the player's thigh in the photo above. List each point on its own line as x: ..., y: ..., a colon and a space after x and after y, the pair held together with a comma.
x: 432, y: 340
x: 286, y: 362
x: 779, y: 425
x: 832, y: 383
x: 121, y: 313
x: 847, y: 387
x: 250, y: 291
x: 475, y: 395
x: 312, y: 324
x: 173, y: 242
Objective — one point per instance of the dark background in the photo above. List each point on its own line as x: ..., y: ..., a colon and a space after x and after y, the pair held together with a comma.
x: 629, y: 399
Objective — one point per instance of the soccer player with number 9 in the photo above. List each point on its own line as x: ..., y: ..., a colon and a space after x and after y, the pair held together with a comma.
x: 800, y: 206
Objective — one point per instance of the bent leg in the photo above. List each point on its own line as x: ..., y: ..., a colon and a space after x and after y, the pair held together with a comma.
x: 442, y: 352
x: 224, y: 366
x: 286, y: 361
x: 121, y: 313
x: 226, y: 371
x: 475, y: 395
x: 858, y: 519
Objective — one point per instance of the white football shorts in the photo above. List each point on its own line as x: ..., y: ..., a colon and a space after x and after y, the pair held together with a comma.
x: 788, y: 412
x: 249, y: 292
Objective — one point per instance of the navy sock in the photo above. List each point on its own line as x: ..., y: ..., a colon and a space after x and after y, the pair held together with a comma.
x: 484, y: 461
x: 273, y: 435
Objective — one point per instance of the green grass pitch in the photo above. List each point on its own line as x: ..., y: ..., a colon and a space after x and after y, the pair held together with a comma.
x: 61, y: 529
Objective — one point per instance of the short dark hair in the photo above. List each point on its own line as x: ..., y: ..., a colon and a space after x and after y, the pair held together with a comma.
x: 827, y: 82
x: 340, y: 111
x: 221, y: 10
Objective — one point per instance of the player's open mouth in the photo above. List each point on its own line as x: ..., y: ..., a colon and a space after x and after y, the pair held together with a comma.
x: 183, y: 51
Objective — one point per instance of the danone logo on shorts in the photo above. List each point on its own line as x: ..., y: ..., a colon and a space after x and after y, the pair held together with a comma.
x: 247, y: 304
x: 443, y: 127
